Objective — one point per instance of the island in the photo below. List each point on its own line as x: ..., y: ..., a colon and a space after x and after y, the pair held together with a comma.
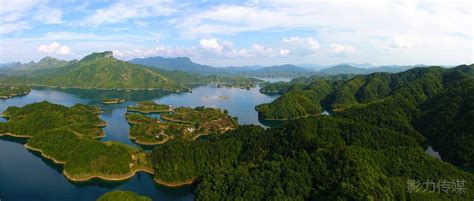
x: 68, y: 136
x: 182, y: 122
x: 119, y: 195
x: 148, y: 107
x: 240, y: 85
x: 110, y: 101
x: 8, y: 91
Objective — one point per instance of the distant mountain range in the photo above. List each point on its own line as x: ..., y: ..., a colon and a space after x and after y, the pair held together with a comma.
x: 288, y: 70
x: 348, y: 69
x: 102, y: 70
x: 185, y: 64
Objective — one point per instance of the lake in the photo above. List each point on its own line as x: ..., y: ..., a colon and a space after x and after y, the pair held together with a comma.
x: 25, y: 175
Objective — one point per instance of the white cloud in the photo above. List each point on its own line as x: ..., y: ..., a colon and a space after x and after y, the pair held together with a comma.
x: 54, y: 48
x: 11, y: 14
x: 400, y: 41
x: 371, y: 25
x: 49, y: 15
x: 284, y: 52
x: 302, y: 46
x: 208, y: 48
x: 129, y: 9
x: 260, y: 50
x: 341, y: 50
x: 210, y: 44
x: 13, y: 27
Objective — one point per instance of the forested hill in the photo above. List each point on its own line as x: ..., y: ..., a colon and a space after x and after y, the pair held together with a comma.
x: 316, y: 158
x: 103, y: 71
x: 371, y: 150
x: 433, y: 102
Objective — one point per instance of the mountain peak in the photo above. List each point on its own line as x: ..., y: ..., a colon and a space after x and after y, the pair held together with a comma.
x: 99, y: 55
x: 47, y: 59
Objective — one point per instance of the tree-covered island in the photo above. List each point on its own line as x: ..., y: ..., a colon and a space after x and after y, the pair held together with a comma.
x: 182, y: 122
x: 68, y: 136
x: 8, y: 91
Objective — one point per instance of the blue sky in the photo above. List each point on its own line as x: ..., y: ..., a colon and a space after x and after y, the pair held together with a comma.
x: 223, y: 33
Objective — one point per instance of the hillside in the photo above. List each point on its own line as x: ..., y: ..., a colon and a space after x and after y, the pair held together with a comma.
x: 103, y: 71
x: 432, y: 102
x: 350, y: 69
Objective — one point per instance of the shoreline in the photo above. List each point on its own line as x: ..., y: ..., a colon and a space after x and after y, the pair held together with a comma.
x: 149, y: 112
x: 115, y: 101
x: 287, y: 119
x: 106, y: 89
x: 102, y: 177
x: 175, y: 184
x: 43, y: 154
x: 15, y: 135
x: 108, y: 177
x: 5, y: 97
x: 134, y: 139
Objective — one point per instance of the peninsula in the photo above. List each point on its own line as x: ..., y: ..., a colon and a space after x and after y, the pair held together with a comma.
x: 8, y: 91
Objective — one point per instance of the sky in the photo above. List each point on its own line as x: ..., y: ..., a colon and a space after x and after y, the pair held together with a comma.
x: 236, y: 33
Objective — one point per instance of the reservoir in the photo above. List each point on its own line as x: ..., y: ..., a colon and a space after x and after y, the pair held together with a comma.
x: 25, y: 175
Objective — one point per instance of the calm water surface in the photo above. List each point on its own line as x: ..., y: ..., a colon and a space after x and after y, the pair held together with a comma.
x: 25, y: 176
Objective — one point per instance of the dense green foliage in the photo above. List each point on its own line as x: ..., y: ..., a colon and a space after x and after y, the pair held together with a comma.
x: 122, y: 196
x: 431, y: 102
x: 369, y: 151
x: 112, y: 100
x: 57, y: 144
x: 101, y: 70
x: 299, y: 83
x: 92, y: 157
x: 35, y: 117
x: 7, y: 91
x: 182, y: 122
x: 67, y: 135
x: 318, y: 158
x: 181, y: 160
x: 149, y: 107
x: 194, y: 115
x: 297, y: 103
x: 448, y: 120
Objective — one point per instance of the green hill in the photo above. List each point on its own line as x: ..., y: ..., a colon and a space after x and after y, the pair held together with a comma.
x: 433, y: 103
x: 102, y: 71
x: 99, y: 70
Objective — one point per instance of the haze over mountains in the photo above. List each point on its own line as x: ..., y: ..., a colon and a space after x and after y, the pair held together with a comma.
x: 48, y: 65
x: 287, y: 70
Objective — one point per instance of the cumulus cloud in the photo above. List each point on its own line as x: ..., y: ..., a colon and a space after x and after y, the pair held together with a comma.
x: 302, y: 46
x: 210, y: 44
x: 341, y: 50
x: 54, y: 48
x: 205, y: 49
